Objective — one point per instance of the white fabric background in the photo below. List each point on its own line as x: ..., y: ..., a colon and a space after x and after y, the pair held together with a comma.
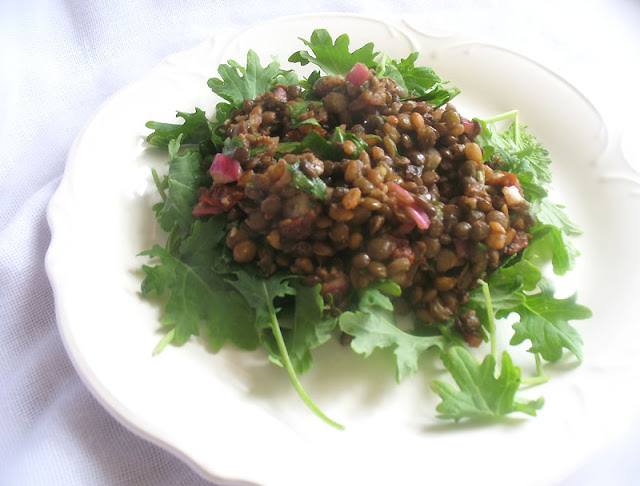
x: 59, y: 60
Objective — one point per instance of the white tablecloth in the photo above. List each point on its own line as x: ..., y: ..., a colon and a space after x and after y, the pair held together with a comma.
x: 60, y: 59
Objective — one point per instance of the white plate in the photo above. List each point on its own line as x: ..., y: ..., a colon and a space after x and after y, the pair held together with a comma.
x: 234, y: 416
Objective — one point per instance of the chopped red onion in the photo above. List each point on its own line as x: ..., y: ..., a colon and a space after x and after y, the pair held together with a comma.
x: 224, y: 169
x: 358, y: 74
x: 420, y: 217
x: 403, y: 196
x: 468, y: 125
x: 280, y: 94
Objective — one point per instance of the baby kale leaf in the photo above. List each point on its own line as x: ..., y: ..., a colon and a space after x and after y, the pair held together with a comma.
x: 237, y: 83
x: 196, y: 295
x: 555, y: 214
x: 333, y: 58
x: 259, y: 293
x: 186, y: 175
x: 480, y: 394
x: 550, y: 244
x: 195, y: 129
x: 518, y: 151
x: 311, y: 328
x: 373, y: 326
x: 544, y: 322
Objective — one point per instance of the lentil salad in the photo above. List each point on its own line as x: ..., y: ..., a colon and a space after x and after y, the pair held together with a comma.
x: 360, y: 193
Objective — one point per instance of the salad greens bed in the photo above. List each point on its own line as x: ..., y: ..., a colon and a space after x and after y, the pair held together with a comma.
x: 205, y: 290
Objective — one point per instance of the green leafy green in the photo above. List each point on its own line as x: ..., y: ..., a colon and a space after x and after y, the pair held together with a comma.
x: 298, y: 109
x: 237, y: 83
x: 185, y: 177
x: 544, y: 322
x: 259, y: 293
x: 329, y: 149
x: 340, y: 136
x: 231, y: 144
x: 194, y: 130
x: 554, y: 214
x: 549, y: 243
x: 316, y: 143
x: 518, y: 151
x: 311, y: 185
x: 480, y: 393
x: 287, y: 78
x: 373, y: 326
x: 198, y: 296
x: 522, y: 288
x: 311, y: 328
x: 420, y: 82
x: 333, y: 58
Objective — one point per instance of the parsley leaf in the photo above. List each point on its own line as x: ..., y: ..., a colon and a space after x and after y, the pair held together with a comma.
x: 298, y: 109
x: 330, y: 149
x: 340, y: 136
x: 480, y: 393
x: 195, y: 129
x: 311, y: 185
x: 333, y: 58
x: 373, y: 326
x: 315, y: 142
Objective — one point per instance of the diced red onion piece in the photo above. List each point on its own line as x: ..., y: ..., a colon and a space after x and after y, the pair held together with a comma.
x: 468, y: 125
x: 403, y: 196
x: 224, y: 169
x: 358, y: 74
x: 280, y: 94
x: 419, y: 216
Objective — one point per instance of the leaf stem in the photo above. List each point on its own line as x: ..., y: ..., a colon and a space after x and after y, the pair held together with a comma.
x: 491, y: 323
x: 167, y: 338
x: 158, y: 183
x: 172, y: 238
x: 286, y: 361
x: 503, y: 116
x: 539, y: 378
x: 516, y: 129
x: 538, y: 364
x: 534, y: 380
